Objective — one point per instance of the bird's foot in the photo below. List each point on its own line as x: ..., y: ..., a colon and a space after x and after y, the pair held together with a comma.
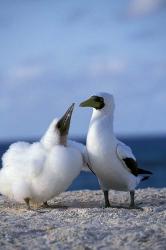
x: 133, y: 206
x: 106, y: 205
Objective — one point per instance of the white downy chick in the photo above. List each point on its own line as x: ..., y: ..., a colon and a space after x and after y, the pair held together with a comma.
x: 39, y: 171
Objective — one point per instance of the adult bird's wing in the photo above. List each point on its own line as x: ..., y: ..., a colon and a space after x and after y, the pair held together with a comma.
x: 83, y: 150
x: 125, y: 154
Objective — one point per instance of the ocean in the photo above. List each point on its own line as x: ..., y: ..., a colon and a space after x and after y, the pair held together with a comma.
x: 149, y: 151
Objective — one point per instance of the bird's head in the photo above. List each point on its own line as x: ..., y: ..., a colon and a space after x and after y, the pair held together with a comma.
x: 103, y: 102
x: 58, y: 130
x: 63, y: 124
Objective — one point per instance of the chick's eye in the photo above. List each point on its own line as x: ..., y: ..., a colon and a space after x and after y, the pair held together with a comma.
x: 58, y: 125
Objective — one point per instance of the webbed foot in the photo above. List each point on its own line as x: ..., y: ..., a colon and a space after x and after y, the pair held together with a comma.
x: 133, y: 206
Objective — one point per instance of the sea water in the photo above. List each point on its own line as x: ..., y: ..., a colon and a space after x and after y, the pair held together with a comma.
x: 149, y: 151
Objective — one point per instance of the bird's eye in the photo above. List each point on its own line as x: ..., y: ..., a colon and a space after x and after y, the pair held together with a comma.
x: 97, y: 98
x: 58, y: 125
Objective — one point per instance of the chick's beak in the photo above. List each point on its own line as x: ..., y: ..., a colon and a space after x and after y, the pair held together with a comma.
x: 63, y: 124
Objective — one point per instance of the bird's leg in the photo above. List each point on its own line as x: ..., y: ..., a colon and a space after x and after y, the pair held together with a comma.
x: 107, y: 203
x: 132, y: 202
x: 27, y: 201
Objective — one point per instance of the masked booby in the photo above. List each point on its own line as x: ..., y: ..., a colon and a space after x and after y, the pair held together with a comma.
x: 39, y: 171
x: 110, y: 159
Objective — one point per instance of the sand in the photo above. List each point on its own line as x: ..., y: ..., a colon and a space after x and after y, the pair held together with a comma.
x: 76, y: 220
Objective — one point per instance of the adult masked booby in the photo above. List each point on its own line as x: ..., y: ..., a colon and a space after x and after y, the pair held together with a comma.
x: 110, y: 159
x: 39, y: 171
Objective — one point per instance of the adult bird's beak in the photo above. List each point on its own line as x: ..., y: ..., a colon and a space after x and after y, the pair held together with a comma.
x: 88, y: 103
x: 64, y: 123
x: 94, y: 102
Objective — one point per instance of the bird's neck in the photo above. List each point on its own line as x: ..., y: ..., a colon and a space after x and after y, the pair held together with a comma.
x: 49, y: 140
x: 63, y: 140
x: 102, y: 121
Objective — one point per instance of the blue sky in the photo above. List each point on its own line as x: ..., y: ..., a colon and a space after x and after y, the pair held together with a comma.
x: 57, y: 52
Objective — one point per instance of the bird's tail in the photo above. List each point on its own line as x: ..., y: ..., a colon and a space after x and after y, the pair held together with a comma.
x: 146, y: 173
x: 144, y: 178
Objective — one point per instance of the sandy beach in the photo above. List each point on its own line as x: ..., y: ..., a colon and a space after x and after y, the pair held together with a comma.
x: 77, y: 220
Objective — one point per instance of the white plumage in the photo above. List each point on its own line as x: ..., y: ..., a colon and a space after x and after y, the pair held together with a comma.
x: 106, y: 158
x: 106, y: 153
x: 83, y: 150
x: 41, y: 170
